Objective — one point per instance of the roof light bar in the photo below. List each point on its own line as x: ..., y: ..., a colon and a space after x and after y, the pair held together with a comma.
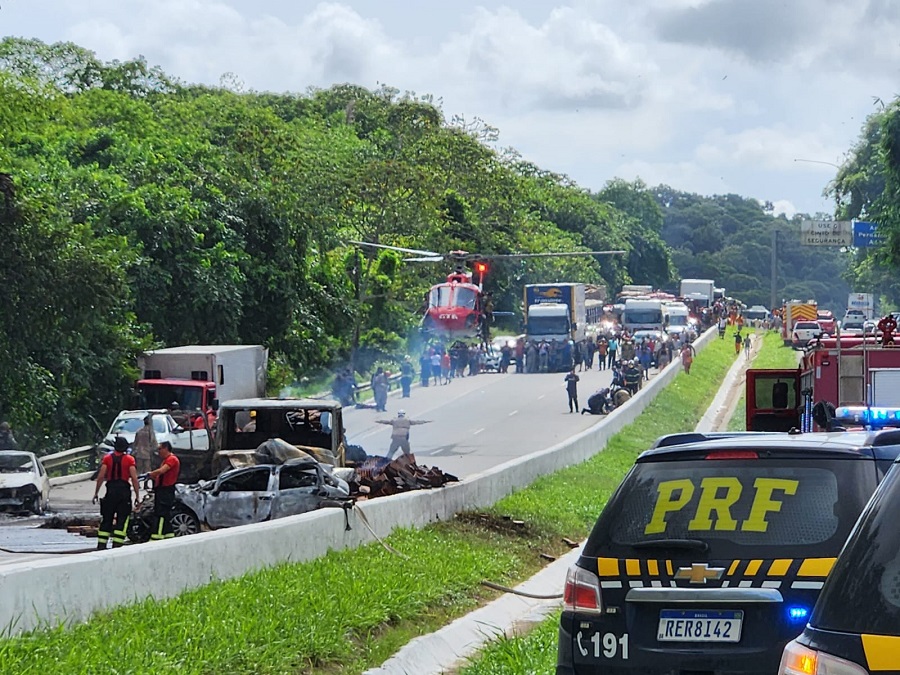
x: 873, y: 417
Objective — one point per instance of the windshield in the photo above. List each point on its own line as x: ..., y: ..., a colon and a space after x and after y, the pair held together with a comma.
x: 439, y: 296
x: 742, y: 508
x: 15, y: 462
x: 642, y: 316
x: 678, y: 320
x: 862, y: 594
x: 548, y: 325
x: 465, y: 297
x: 126, y: 425
x: 163, y: 395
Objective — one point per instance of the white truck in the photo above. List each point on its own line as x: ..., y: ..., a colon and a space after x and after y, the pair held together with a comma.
x: 864, y: 302
x: 197, y: 377
x: 676, y: 317
x: 642, y: 314
x: 700, y: 291
x: 555, y: 312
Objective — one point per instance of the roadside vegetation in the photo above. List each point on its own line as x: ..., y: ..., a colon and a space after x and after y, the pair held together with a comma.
x: 535, y: 652
x: 772, y: 355
x: 350, y: 610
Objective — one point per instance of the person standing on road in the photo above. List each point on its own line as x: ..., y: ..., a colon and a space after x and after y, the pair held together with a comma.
x: 7, y: 440
x: 748, y: 345
x: 612, y: 347
x: 406, y: 376
x: 571, y: 381
x: 737, y: 341
x: 380, y: 389
x: 164, y: 479
x: 116, y: 470
x: 144, y: 445
x: 400, y: 432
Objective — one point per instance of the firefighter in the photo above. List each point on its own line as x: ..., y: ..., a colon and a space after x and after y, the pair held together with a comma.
x: 164, y: 479
x: 117, y: 469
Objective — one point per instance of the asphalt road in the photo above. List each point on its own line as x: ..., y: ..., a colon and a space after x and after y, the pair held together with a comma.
x: 475, y: 423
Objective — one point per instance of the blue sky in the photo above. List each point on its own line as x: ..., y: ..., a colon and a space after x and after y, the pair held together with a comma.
x: 708, y: 96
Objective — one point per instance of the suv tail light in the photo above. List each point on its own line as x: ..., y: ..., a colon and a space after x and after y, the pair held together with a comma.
x: 582, y: 593
x: 800, y: 660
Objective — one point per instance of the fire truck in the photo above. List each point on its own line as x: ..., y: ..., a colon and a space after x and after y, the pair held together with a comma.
x: 795, y: 311
x: 850, y: 373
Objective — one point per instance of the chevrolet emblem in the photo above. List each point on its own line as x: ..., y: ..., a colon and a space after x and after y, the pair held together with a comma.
x: 699, y: 574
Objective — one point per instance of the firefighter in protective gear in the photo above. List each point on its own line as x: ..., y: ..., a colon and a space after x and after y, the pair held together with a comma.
x: 117, y: 469
x: 400, y: 432
x: 164, y: 479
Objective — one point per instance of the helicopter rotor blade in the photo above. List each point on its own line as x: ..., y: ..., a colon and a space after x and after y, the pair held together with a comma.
x: 432, y: 255
x: 514, y: 256
x: 434, y: 259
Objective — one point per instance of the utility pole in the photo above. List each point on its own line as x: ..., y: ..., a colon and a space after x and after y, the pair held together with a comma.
x: 774, y: 287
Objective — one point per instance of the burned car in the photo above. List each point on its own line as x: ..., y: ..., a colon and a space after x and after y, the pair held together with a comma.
x: 24, y: 485
x: 256, y: 493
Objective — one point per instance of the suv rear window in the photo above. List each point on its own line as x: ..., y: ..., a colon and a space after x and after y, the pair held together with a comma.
x: 807, y: 325
x: 742, y: 508
x: 862, y: 594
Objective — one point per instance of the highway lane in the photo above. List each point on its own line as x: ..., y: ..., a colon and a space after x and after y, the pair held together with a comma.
x: 476, y: 423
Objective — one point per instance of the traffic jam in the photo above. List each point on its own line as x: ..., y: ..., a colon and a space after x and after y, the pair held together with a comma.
x: 763, y: 551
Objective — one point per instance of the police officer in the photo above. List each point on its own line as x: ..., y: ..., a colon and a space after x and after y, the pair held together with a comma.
x: 117, y: 468
x: 164, y: 479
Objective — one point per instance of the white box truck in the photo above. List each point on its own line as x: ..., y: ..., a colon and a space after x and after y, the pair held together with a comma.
x: 700, y: 291
x: 197, y: 377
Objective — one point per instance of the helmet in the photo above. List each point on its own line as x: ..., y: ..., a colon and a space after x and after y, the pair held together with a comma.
x: 120, y: 444
x: 401, y: 413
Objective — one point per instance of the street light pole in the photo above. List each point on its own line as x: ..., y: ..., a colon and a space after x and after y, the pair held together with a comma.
x: 773, y: 295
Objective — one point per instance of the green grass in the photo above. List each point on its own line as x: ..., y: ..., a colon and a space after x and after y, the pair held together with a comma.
x: 772, y: 355
x: 350, y: 610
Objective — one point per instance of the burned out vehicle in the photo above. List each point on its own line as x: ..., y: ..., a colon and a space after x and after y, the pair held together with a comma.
x: 255, y: 494
x: 243, y: 425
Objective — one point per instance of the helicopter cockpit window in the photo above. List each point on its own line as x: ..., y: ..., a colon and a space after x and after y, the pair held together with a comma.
x: 439, y: 297
x: 465, y: 297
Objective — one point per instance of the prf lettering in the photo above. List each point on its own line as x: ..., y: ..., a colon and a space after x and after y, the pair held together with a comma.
x: 719, y: 495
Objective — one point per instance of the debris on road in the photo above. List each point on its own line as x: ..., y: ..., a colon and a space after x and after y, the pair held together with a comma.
x: 384, y: 477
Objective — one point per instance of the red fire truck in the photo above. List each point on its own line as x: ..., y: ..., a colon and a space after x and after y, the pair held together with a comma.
x: 845, y: 372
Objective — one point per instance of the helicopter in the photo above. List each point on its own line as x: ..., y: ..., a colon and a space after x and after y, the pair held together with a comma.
x: 458, y: 308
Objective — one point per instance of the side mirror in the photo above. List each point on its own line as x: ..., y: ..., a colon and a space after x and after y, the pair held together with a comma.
x: 215, y: 404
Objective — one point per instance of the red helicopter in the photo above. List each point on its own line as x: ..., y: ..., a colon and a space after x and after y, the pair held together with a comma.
x: 458, y: 309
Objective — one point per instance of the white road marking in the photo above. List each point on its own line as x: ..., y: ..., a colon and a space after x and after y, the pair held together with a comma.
x: 475, y: 433
x: 514, y: 412
x: 541, y: 396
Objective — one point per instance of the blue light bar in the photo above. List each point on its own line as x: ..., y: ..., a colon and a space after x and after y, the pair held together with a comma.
x: 874, y: 418
x: 798, y: 614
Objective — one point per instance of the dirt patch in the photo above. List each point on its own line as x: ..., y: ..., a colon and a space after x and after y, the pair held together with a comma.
x: 504, y: 525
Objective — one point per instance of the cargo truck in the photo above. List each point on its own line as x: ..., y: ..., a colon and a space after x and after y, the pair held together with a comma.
x: 197, y: 377
x: 555, y: 312
x: 699, y: 291
x: 643, y: 314
x: 795, y: 311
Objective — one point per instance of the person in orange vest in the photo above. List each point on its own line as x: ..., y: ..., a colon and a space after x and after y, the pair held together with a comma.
x: 117, y: 469
x: 164, y: 479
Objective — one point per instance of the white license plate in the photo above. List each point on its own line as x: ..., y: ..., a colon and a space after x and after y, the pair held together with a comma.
x: 698, y: 625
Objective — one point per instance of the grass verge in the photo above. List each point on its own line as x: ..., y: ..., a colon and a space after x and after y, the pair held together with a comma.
x: 350, y: 610
x: 772, y: 355
x: 536, y: 651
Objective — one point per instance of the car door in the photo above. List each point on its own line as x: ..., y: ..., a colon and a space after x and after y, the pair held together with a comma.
x: 241, y: 497
x: 299, y: 489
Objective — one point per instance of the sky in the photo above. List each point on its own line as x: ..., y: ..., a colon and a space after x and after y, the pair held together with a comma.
x: 757, y: 98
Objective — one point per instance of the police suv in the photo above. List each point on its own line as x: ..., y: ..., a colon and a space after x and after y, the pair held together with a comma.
x: 710, y: 555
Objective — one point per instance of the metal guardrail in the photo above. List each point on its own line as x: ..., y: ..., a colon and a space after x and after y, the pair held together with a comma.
x: 66, y: 457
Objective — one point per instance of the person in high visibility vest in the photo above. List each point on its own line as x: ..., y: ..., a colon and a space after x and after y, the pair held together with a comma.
x: 117, y: 469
